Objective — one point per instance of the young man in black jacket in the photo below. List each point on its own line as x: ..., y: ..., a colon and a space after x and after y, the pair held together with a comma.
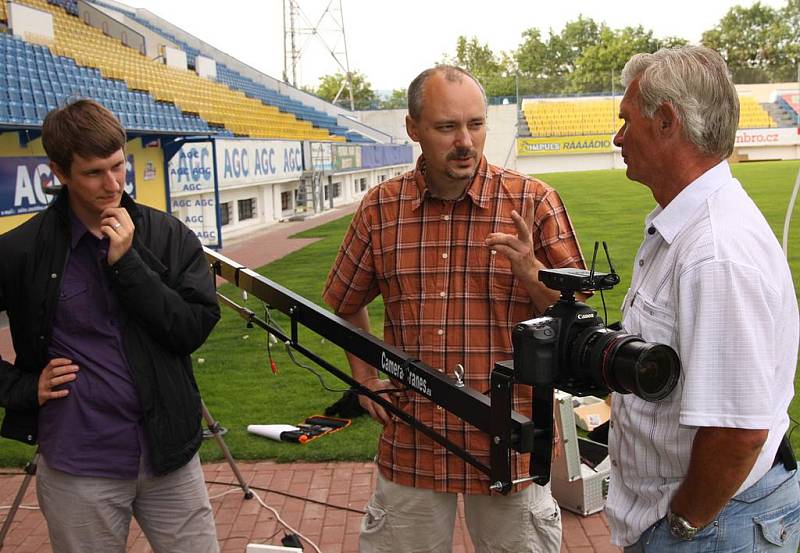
x: 106, y: 300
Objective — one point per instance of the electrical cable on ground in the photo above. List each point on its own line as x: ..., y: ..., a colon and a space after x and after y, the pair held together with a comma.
x: 291, y: 495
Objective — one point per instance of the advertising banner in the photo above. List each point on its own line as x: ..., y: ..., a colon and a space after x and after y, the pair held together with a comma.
x: 346, y: 158
x: 317, y: 156
x: 257, y: 161
x: 191, y: 169
x: 793, y: 99
x: 382, y: 155
x: 192, y: 191
x: 564, y: 145
x: 766, y: 137
x: 23, y: 181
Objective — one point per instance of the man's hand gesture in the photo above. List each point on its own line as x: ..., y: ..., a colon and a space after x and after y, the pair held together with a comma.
x: 518, y: 248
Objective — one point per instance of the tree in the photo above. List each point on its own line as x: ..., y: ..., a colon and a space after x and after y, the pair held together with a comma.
x: 533, y: 60
x: 493, y: 73
x: 598, y: 67
x: 545, y: 66
x: 789, y: 41
x: 331, y: 85
x: 750, y: 41
x: 397, y: 100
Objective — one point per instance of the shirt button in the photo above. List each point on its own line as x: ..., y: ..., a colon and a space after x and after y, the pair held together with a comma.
x: 614, y: 462
x: 54, y: 275
x: 442, y: 294
x: 446, y: 217
x: 440, y: 332
x: 651, y: 230
x: 444, y: 256
x: 641, y: 263
x: 611, y: 424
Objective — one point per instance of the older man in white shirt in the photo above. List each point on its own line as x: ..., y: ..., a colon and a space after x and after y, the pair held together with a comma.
x: 707, y: 468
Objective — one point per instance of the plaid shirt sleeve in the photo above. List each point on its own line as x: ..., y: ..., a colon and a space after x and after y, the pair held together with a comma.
x: 351, y: 283
x: 556, y: 244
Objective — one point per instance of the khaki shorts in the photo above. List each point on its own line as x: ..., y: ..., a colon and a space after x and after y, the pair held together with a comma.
x: 412, y: 520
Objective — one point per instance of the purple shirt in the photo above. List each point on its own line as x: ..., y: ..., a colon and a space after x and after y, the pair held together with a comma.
x: 96, y: 429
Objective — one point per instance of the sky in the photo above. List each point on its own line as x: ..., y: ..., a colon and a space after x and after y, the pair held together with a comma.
x: 392, y: 41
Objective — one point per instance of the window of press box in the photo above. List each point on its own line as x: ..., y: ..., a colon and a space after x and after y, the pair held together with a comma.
x: 286, y: 200
x: 225, y: 212
x: 247, y: 208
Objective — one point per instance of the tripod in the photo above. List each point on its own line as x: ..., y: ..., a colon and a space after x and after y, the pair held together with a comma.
x: 213, y: 427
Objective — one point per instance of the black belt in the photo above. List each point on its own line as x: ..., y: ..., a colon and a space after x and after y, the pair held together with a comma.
x: 785, y: 455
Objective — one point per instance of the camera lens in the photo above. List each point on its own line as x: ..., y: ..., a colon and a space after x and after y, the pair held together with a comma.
x: 648, y: 370
x: 625, y: 363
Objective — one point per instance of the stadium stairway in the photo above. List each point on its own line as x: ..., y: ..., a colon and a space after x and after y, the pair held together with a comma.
x: 781, y: 114
x: 790, y: 103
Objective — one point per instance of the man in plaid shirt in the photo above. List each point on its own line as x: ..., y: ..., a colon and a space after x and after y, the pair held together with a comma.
x: 454, y: 248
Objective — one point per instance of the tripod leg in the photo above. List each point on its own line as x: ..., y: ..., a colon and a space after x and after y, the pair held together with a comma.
x: 30, y: 470
x: 213, y: 427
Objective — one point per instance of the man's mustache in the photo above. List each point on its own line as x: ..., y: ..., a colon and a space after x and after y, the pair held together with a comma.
x: 462, y: 153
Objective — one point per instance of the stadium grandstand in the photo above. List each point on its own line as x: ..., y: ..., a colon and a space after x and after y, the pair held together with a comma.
x: 229, y: 149
x: 220, y: 145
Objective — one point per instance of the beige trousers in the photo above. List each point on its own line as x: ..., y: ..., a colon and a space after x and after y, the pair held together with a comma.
x: 87, y: 514
x: 412, y: 520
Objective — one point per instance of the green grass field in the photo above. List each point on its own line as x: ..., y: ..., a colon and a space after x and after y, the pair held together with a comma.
x: 240, y: 389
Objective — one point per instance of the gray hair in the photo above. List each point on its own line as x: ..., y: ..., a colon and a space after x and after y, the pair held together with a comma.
x: 696, y: 82
x: 417, y: 86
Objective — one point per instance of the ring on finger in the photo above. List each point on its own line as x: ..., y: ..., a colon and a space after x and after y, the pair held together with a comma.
x: 117, y: 225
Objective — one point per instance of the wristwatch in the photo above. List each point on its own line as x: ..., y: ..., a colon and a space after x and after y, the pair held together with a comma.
x: 680, y: 527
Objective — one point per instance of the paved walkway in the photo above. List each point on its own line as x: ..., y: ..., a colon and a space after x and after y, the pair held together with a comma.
x: 342, y: 488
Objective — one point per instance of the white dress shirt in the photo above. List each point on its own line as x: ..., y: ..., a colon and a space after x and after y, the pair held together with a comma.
x: 711, y: 281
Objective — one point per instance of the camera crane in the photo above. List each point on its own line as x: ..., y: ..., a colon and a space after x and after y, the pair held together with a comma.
x: 507, y: 429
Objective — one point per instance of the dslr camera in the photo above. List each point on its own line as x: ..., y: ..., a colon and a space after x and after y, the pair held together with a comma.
x: 570, y: 348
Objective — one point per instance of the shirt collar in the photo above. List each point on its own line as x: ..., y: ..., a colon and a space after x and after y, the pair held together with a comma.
x: 671, y: 220
x: 476, y: 190
x: 77, y: 229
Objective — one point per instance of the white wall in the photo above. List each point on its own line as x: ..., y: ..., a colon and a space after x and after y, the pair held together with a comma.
x: 500, y: 136
x: 267, y: 209
x: 30, y: 24
x: 535, y: 165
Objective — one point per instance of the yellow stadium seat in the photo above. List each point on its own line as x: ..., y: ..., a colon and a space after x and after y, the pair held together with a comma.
x: 214, y: 102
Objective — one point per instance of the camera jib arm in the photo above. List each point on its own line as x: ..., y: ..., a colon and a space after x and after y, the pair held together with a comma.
x: 507, y: 429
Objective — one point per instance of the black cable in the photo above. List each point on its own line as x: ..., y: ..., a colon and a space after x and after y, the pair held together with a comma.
x: 294, y: 360
x: 287, y: 494
x: 312, y: 371
x: 605, y: 310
